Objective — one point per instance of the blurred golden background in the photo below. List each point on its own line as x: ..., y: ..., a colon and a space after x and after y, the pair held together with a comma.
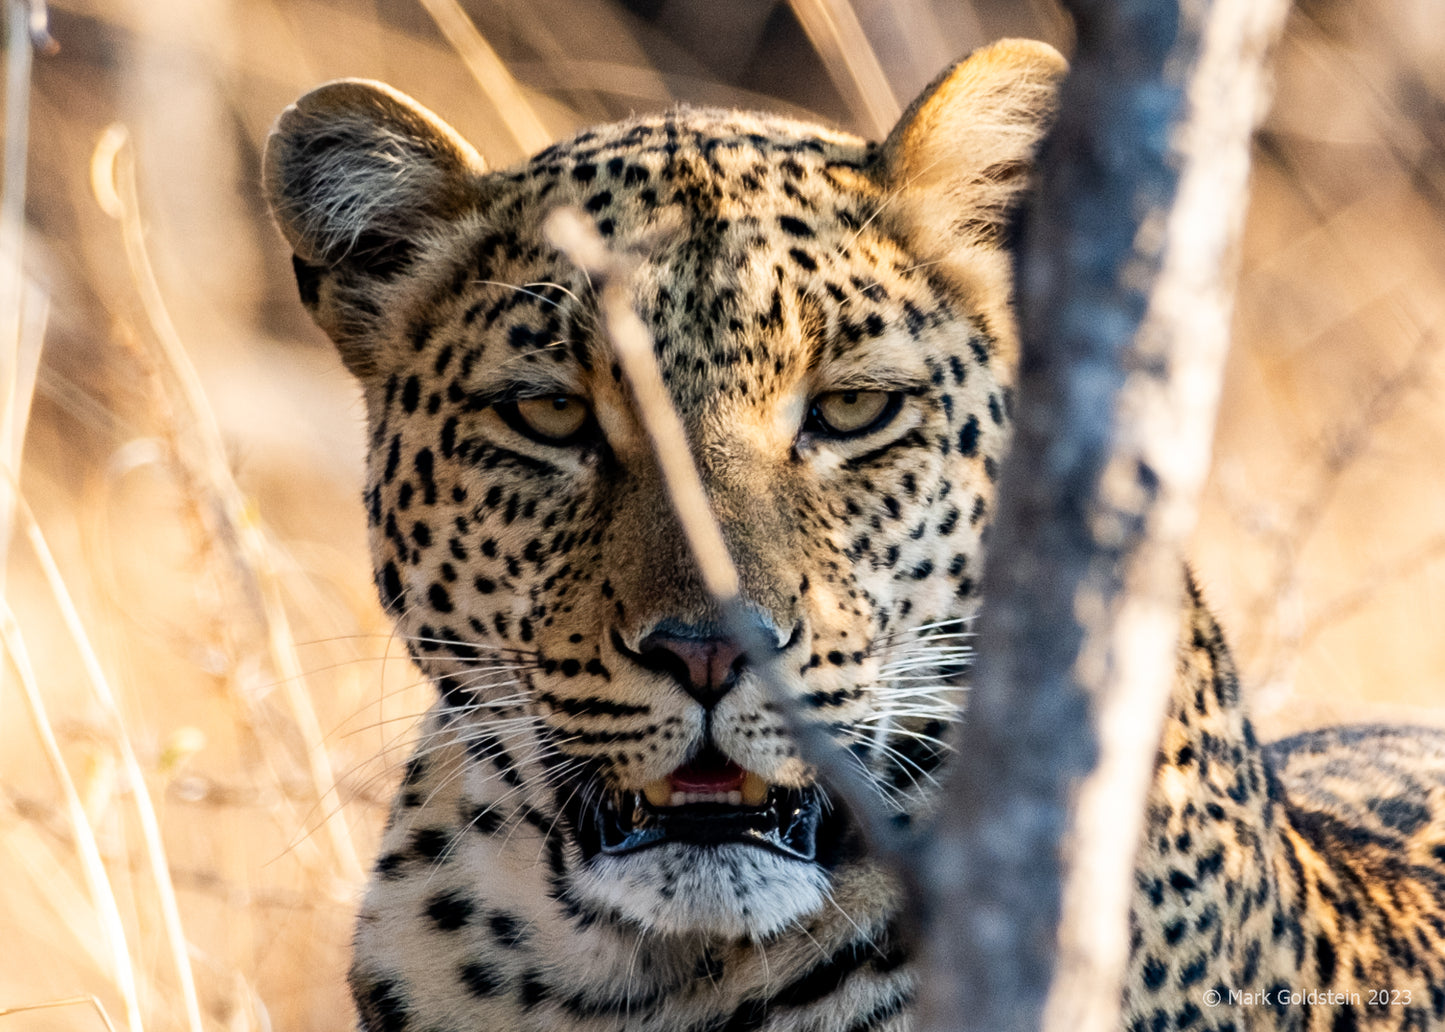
x: 203, y: 658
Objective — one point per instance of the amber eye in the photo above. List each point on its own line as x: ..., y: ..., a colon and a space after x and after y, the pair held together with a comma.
x: 554, y: 419
x: 851, y: 413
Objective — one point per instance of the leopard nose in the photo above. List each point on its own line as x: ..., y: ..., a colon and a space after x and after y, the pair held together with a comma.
x: 704, y: 663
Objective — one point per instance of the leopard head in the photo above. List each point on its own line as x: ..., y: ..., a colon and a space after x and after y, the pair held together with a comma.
x: 832, y: 320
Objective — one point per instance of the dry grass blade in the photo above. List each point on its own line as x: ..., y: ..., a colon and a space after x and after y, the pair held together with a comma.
x: 13, y: 343
x: 20, y: 390
x: 93, y: 868
x: 17, y: 382
x: 69, y: 1001
x: 17, y: 141
x: 113, y: 181
x: 145, y: 808
x: 576, y: 238
x: 572, y: 234
x: 836, y: 35
x: 492, y: 76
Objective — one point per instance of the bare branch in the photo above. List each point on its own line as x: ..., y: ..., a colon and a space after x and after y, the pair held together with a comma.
x: 1126, y: 293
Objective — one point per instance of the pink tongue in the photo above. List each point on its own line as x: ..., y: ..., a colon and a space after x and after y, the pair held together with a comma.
x: 707, y: 778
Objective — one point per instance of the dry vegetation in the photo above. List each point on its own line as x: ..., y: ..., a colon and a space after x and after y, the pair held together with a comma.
x: 205, y: 712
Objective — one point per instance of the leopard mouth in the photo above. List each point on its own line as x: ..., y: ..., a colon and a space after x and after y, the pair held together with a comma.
x: 709, y: 801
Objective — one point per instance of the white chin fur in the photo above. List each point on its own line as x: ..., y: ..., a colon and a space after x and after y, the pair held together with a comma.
x: 734, y: 891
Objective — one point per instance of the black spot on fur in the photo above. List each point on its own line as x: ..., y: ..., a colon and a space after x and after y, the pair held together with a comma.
x: 449, y: 911
x: 1154, y: 972
x: 968, y: 436
x: 382, y: 1007
x: 794, y: 227
x: 481, y: 979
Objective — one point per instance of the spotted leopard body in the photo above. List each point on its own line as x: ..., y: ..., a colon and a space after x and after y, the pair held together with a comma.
x: 832, y: 320
x: 1312, y: 865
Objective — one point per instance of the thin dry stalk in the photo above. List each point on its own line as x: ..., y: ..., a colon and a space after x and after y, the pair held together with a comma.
x: 19, y: 393
x: 17, y: 144
x: 497, y: 83
x: 113, y: 180
x: 12, y: 242
x: 145, y: 807
x: 837, y: 36
x: 69, y: 1001
x: 17, y: 390
x: 169, y: 451
x: 576, y: 238
x: 571, y: 233
x: 107, y: 911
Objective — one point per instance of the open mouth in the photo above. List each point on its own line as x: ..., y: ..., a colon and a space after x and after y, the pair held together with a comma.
x: 708, y: 801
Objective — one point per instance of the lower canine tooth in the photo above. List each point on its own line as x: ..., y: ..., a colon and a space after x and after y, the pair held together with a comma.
x: 659, y: 792
x: 755, y: 790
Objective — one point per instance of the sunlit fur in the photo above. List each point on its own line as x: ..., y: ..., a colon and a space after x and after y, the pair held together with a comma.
x: 776, y: 263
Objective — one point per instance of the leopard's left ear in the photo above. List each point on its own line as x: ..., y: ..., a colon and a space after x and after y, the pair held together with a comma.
x: 960, y: 157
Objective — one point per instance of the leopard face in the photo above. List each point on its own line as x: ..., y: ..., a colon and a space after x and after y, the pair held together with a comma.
x: 831, y: 320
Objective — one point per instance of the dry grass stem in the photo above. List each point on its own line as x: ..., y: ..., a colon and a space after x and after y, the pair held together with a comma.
x: 496, y: 82
x: 113, y: 180
x: 832, y: 27
x: 101, y: 691
x: 575, y: 237
x: 17, y: 391
x: 12, y: 257
x: 70, y: 1001
x: 16, y: 154
x: 107, y: 911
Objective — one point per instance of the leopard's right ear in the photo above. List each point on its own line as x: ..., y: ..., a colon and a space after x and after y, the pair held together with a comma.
x: 361, y: 178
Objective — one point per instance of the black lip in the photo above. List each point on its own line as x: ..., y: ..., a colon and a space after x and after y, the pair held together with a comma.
x: 621, y: 823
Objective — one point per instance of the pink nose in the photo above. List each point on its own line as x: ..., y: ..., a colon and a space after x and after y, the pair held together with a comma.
x: 706, y: 667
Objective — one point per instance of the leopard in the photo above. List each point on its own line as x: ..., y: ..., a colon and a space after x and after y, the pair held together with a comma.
x: 606, y: 822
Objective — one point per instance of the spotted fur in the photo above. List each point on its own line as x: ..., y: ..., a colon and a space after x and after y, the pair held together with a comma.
x: 778, y: 265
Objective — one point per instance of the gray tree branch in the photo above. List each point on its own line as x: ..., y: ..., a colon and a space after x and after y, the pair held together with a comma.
x: 1126, y: 292
x: 1126, y: 289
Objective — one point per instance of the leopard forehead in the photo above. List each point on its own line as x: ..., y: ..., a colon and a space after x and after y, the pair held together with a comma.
x: 760, y: 257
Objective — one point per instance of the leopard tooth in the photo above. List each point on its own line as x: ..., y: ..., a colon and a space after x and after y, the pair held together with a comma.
x: 754, y: 791
x: 659, y: 792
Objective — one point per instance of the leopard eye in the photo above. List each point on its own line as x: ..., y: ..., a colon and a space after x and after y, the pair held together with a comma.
x: 852, y: 413
x: 554, y: 419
